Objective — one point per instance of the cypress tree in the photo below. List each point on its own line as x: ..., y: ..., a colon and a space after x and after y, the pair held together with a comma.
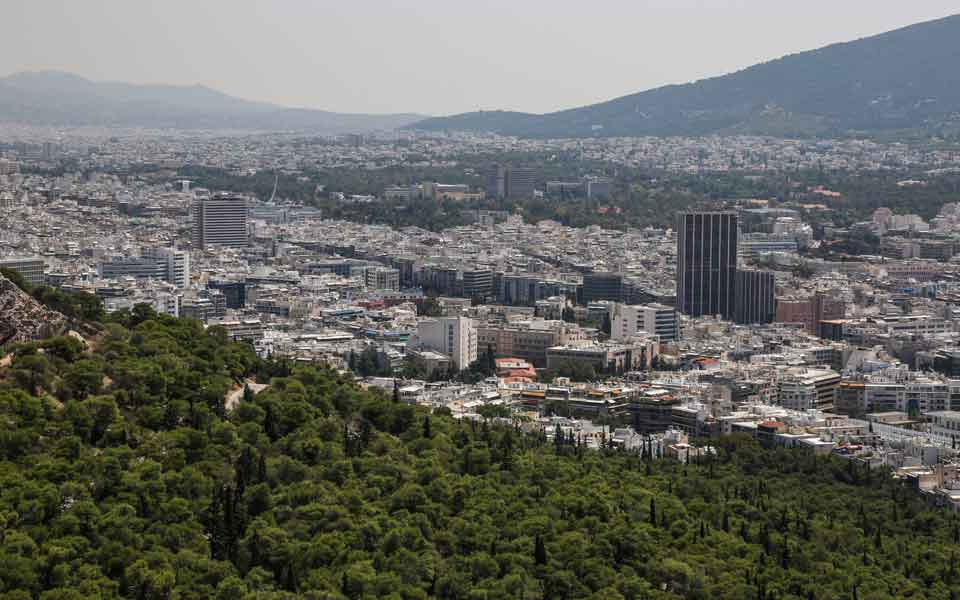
x: 540, y: 551
x: 262, y: 467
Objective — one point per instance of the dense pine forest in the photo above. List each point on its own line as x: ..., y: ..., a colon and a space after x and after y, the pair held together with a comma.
x: 124, y: 475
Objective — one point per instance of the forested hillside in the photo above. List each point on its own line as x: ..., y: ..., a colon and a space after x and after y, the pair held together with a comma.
x: 122, y: 474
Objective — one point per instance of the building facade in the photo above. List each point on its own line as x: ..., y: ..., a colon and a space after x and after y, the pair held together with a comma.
x: 602, y: 286
x: 33, y: 270
x: 706, y: 263
x: 220, y: 221
x: 627, y: 320
x: 455, y: 337
x: 382, y: 278
x: 755, y: 297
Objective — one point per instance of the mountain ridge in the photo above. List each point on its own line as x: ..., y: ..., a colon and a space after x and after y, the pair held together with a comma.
x: 60, y: 98
x: 901, y: 79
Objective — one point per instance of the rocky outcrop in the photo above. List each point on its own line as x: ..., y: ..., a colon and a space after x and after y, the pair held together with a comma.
x: 23, y: 319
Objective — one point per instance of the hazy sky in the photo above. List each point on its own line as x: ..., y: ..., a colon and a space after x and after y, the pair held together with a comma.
x: 430, y: 56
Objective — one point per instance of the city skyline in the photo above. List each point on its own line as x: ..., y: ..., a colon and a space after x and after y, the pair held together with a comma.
x: 282, y: 53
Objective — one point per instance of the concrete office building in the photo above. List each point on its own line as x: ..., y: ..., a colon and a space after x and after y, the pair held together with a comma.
x: 249, y: 330
x: 812, y: 311
x: 627, y: 321
x: 220, y: 221
x: 455, y: 337
x: 440, y: 279
x: 517, y: 289
x: 597, y: 187
x: 526, y: 340
x: 133, y: 266
x: 477, y: 283
x: 32, y: 269
x: 564, y: 189
x: 608, y: 357
x: 175, y: 262
x: 706, y: 263
x: 165, y: 264
x: 382, y: 278
x: 510, y: 182
x: 602, y: 286
x: 806, y: 389
x: 234, y: 292
x: 755, y: 297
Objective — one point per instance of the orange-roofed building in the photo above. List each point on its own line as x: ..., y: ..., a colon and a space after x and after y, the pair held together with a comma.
x: 516, y: 368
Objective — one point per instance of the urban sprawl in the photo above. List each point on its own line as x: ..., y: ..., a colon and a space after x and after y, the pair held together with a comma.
x: 642, y: 337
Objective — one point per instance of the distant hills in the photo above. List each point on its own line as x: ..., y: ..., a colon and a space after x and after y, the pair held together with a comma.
x: 907, y: 79
x: 60, y: 99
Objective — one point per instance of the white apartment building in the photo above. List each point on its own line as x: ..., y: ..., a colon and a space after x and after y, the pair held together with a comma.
x: 382, y: 278
x: 626, y: 320
x: 945, y: 422
x: 176, y: 262
x: 455, y: 337
x: 805, y: 389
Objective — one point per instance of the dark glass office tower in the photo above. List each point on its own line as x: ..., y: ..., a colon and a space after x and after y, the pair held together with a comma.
x: 602, y: 286
x: 755, y: 295
x: 706, y: 263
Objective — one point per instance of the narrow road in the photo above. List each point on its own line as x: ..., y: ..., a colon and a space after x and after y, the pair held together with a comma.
x: 235, y: 396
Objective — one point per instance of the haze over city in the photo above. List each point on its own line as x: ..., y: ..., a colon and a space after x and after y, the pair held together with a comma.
x: 433, y: 57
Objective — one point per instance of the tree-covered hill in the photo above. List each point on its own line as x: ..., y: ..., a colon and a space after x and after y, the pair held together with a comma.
x: 122, y: 475
x: 900, y: 80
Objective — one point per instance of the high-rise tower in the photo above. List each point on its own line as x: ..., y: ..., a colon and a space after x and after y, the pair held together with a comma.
x: 706, y: 263
x: 220, y: 220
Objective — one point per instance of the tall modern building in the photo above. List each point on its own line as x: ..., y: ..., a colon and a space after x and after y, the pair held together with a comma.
x: 510, y: 182
x: 220, y: 220
x: 755, y: 297
x: 706, y: 263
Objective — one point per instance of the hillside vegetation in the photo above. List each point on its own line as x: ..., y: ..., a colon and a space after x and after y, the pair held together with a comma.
x: 122, y: 475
